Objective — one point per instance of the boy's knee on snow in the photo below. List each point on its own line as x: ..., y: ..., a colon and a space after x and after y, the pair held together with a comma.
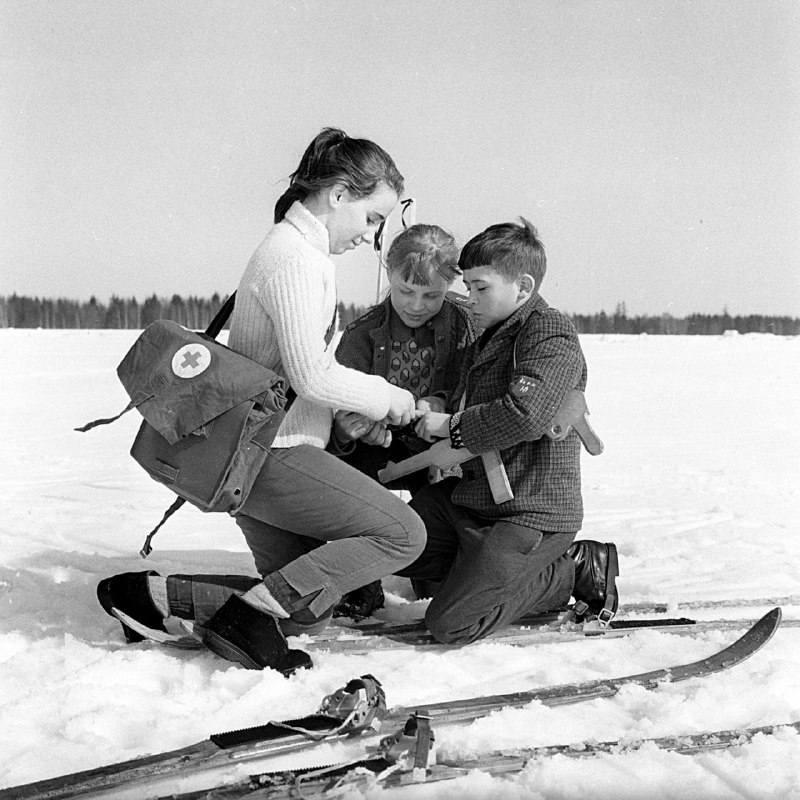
x: 445, y: 633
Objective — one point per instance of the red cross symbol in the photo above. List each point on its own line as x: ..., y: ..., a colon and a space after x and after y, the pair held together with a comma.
x: 191, y: 360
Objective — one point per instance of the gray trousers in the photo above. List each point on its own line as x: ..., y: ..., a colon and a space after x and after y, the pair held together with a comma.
x: 317, y: 527
x: 490, y: 572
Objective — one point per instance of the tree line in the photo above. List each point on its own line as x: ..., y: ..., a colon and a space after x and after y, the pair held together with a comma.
x: 20, y: 311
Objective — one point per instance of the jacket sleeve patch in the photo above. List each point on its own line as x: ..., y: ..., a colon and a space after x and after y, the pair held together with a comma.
x: 522, y: 386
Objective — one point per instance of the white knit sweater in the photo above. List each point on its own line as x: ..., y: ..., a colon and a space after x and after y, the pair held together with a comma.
x: 284, y: 305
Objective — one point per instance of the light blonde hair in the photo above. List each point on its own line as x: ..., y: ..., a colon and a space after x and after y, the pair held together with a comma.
x: 421, y: 249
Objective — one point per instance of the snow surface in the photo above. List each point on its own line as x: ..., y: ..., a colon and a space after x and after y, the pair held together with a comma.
x: 698, y: 487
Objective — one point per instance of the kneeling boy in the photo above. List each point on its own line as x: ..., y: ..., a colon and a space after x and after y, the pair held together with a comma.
x: 498, y: 562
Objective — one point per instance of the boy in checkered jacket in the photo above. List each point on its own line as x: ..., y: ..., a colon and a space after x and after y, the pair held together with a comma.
x: 494, y: 563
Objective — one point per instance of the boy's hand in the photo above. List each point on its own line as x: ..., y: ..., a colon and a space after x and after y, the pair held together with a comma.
x: 433, y: 425
x: 430, y: 403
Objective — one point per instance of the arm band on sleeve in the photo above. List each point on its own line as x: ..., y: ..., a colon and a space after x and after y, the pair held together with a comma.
x: 456, y: 441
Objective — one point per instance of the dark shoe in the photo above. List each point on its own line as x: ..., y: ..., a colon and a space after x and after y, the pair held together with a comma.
x: 424, y: 589
x: 238, y: 632
x: 596, y: 571
x: 361, y: 603
x: 128, y: 592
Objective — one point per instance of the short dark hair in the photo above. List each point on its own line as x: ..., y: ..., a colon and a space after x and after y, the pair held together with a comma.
x: 334, y: 157
x: 512, y: 249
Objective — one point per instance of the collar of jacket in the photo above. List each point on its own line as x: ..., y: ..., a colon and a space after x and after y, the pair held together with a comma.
x: 511, y: 328
x: 383, y: 320
x: 311, y: 229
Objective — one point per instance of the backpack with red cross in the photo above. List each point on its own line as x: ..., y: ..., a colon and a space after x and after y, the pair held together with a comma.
x: 210, y: 414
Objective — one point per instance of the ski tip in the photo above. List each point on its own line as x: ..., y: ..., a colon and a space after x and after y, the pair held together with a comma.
x: 774, y: 616
x: 763, y: 630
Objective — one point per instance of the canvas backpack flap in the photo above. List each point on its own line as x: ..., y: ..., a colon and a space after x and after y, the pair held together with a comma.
x: 181, y: 380
x: 214, y: 470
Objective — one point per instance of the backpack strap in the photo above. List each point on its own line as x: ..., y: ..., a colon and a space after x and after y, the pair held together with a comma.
x: 147, y: 547
x: 221, y: 317
x: 105, y: 420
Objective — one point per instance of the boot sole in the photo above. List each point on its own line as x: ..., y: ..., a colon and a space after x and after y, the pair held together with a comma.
x: 223, y: 648
x: 612, y: 573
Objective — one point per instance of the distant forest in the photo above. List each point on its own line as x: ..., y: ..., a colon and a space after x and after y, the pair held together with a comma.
x: 19, y: 311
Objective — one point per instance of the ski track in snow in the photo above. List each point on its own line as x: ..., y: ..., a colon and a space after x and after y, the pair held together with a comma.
x: 698, y: 486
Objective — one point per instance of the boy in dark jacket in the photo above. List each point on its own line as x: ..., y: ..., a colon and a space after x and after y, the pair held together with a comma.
x: 498, y: 562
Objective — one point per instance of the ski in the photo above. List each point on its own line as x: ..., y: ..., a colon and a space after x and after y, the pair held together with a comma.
x: 534, y: 630
x: 521, y: 634
x: 698, y: 605
x: 390, y: 770
x: 359, y: 707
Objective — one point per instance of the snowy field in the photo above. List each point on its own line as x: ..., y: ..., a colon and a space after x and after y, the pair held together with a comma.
x: 699, y: 486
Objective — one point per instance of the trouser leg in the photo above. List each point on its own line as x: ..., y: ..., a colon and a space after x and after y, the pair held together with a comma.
x: 199, y: 597
x: 362, y: 530
x: 498, y: 571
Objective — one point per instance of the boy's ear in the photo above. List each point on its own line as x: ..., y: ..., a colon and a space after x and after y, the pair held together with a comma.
x: 526, y: 287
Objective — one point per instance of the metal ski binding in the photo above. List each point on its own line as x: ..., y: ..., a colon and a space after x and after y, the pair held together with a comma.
x: 360, y: 704
x: 413, y: 743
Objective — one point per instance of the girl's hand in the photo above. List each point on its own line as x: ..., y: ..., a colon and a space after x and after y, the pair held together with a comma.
x: 349, y: 425
x: 433, y: 426
x: 430, y: 403
x: 401, y: 406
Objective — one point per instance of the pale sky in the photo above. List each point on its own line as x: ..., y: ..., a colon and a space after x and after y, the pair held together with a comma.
x: 654, y: 143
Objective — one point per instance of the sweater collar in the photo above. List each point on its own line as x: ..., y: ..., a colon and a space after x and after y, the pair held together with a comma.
x: 311, y: 229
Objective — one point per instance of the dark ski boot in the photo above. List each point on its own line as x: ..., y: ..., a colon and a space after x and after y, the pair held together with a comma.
x: 129, y: 593
x: 361, y: 603
x: 596, y: 571
x: 238, y: 632
x: 424, y: 590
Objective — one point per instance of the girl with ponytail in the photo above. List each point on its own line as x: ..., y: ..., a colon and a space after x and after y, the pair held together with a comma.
x: 317, y: 527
